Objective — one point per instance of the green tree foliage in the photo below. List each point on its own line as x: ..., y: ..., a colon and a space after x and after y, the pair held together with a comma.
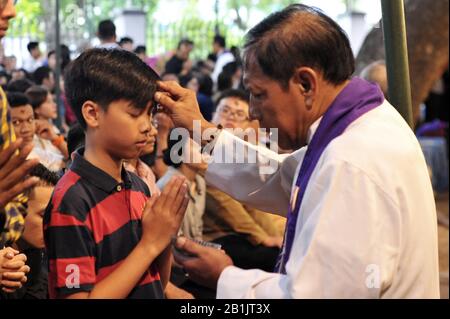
x: 79, y: 20
x: 243, y: 9
x: 28, y: 19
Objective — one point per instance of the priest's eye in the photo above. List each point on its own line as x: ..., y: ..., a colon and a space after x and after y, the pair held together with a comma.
x: 258, y: 96
x: 135, y: 115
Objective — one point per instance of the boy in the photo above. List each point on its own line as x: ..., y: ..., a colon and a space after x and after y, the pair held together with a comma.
x: 103, y: 238
x: 26, y: 127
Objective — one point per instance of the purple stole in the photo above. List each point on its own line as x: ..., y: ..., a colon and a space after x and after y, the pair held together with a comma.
x: 356, y: 99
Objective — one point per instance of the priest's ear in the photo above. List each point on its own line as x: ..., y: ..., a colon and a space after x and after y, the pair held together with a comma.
x: 306, y: 80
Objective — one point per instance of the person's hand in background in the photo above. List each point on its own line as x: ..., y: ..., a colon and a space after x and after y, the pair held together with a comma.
x: 13, y: 270
x: 13, y: 171
x: 45, y: 130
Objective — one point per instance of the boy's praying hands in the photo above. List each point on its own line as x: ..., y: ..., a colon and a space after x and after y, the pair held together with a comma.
x: 13, y: 270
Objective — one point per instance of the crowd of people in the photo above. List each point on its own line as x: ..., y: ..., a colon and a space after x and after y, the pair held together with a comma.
x: 97, y: 197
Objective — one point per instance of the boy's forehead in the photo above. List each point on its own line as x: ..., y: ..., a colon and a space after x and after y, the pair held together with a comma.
x: 132, y: 105
x: 24, y: 110
x: 234, y: 103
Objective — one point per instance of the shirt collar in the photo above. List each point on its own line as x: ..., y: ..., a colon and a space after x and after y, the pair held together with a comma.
x: 98, y: 177
x: 312, y: 129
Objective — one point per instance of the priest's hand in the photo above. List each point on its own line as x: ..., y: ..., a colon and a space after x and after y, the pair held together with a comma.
x: 182, y: 106
x: 204, y: 265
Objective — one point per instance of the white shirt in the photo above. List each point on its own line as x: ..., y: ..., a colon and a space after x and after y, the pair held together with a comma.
x: 30, y: 64
x: 109, y: 46
x: 47, y: 154
x: 367, y: 226
x: 192, y: 224
x: 223, y: 58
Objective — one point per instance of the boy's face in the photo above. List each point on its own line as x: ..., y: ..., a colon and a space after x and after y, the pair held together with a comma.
x: 18, y: 75
x: 36, y: 53
x: 185, y: 50
x: 150, y: 146
x: 22, y: 118
x: 33, y: 232
x: 216, y: 47
x: 232, y: 112
x: 128, y: 46
x: 123, y: 130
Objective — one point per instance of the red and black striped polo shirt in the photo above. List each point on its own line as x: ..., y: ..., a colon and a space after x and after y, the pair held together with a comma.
x: 91, y: 225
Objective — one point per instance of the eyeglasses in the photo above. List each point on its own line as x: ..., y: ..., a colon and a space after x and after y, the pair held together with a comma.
x: 240, y: 116
x: 154, y: 123
x: 157, y: 108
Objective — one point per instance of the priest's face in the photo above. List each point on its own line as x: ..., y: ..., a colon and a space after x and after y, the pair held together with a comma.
x: 276, y: 106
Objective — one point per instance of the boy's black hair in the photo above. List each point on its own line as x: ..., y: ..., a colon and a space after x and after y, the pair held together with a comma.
x: 65, y: 56
x: 212, y: 57
x: 20, y: 86
x: 37, y: 95
x: 75, y: 138
x: 104, y: 76
x: 171, y: 158
x: 237, y: 54
x: 224, y: 81
x: 125, y: 40
x: 16, y: 99
x: 27, y: 74
x: 231, y: 68
x: 46, y: 176
x: 238, y: 94
x: 185, y: 79
x: 205, y: 83
x: 5, y: 74
x: 41, y: 74
x: 140, y: 49
x: 220, y: 40
x: 184, y: 41
x: 106, y: 30
x: 32, y: 45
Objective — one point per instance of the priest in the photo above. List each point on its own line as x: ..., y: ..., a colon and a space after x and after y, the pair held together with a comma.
x: 361, y: 217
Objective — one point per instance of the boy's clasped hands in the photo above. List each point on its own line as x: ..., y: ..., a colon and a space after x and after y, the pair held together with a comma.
x: 13, y: 270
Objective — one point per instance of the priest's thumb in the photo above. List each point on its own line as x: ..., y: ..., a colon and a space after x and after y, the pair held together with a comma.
x: 188, y: 246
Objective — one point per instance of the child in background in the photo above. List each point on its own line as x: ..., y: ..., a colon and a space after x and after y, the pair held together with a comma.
x: 25, y: 127
x: 140, y: 168
x: 32, y: 241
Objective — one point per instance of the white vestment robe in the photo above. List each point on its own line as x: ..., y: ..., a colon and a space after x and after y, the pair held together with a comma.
x: 367, y: 226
